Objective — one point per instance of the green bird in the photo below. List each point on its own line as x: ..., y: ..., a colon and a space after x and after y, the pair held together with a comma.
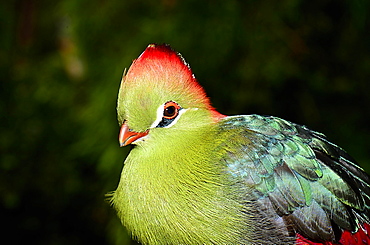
x: 195, y: 176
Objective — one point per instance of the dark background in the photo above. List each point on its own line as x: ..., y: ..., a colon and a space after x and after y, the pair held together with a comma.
x: 61, y: 63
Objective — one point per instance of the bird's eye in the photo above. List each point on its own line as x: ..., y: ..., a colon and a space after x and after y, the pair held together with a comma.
x: 171, y: 110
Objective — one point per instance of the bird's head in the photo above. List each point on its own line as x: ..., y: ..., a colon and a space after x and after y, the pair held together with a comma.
x: 160, y: 91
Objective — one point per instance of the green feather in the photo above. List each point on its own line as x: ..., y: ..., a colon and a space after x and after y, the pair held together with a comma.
x: 211, y: 179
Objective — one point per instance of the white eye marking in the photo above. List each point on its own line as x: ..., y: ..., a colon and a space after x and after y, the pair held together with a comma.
x: 160, y: 117
x: 182, y: 111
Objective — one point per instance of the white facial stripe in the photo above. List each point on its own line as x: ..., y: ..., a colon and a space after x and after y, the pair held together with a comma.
x: 181, y: 111
x: 160, y: 117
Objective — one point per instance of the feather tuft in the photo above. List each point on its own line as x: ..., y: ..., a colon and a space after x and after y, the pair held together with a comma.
x: 162, y: 60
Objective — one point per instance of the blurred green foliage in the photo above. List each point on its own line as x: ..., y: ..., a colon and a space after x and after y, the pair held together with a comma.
x: 61, y: 63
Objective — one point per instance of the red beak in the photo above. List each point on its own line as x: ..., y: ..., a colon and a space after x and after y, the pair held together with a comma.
x: 127, y: 136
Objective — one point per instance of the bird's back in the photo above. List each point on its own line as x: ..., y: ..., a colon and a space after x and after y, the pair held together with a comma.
x: 299, y: 179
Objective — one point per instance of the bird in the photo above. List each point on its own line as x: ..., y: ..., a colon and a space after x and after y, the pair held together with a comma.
x: 196, y: 176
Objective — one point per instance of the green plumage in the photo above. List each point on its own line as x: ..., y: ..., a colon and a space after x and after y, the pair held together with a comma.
x: 204, y: 178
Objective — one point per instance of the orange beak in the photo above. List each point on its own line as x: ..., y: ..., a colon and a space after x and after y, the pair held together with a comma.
x: 127, y: 136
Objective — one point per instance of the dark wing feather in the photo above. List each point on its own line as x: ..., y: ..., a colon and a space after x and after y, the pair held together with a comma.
x: 316, y: 187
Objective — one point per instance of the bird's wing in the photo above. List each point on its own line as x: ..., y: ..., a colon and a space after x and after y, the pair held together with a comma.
x: 313, y: 184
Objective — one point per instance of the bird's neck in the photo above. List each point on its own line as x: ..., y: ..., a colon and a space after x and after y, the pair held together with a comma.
x: 168, y: 185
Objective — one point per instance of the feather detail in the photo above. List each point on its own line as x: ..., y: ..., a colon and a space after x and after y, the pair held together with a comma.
x: 160, y: 62
x: 303, y: 176
x: 362, y: 237
x: 200, y: 177
x: 164, y: 74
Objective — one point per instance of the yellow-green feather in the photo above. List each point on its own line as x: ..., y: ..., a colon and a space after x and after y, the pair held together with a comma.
x: 210, y: 179
x: 174, y: 190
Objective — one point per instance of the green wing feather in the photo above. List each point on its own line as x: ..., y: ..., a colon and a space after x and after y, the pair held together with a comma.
x: 311, y: 183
